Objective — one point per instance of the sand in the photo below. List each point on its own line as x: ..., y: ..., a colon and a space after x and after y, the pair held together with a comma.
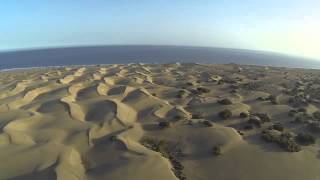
x: 149, y: 121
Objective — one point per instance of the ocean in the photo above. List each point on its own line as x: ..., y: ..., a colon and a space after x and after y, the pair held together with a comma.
x: 147, y: 54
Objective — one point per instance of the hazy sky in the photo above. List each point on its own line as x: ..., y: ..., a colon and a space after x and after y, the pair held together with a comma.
x: 287, y: 26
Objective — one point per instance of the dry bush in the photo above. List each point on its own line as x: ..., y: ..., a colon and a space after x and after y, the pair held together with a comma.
x: 225, y: 114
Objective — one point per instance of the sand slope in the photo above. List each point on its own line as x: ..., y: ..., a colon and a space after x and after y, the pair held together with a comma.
x: 144, y: 121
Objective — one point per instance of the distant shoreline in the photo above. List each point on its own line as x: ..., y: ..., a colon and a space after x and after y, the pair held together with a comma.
x: 93, y: 65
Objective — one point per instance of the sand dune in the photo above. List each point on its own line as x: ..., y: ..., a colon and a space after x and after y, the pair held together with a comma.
x: 169, y: 121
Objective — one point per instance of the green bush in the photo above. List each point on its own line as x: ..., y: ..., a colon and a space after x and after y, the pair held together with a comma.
x: 169, y: 150
x: 284, y: 140
x: 164, y: 124
x: 292, y: 112
x: 203, y: 90
x: 314, y: 126
x: 289, y: 144
x: 225, y: 101
x: 216, y: 150
x: 256, y: 121
x: 263, y: 116
x: 225, y: 114
x: 182, y: 94
x: 305, y: 139
x: 273, y: 99
x: 248, y: 127
x: 197, y: 115
x: 244, y: 115
x: 270, y: 136
x: 207, y: 123
x: 316, y: 115
x: 278, y: 127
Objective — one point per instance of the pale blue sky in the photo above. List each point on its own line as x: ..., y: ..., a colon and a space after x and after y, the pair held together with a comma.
x: 287, y: 26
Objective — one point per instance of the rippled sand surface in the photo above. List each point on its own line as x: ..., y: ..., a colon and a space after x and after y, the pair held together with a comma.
x: 170, y: 121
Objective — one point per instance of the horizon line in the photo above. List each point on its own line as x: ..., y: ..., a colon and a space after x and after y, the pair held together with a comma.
x: 150, y: 45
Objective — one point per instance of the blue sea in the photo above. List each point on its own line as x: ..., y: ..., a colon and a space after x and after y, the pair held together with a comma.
x: 147, y: 54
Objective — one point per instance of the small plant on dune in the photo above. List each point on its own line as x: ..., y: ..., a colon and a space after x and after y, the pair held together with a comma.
x: 273, y: 99
x: 270, y: 136
x: 225, y: 114
x: 233, y: 86
x: 234, y: 91
x: 203, y: 90
x: 113, y: 138
x: 263, y: 116
x: 169, y: 150
x: 240, y: 132
x: 302, y: 109
x: 164, y: 124
x: 292, y: 112
x: 261, y: 99
x: 314, y: 126
x: 256, y: 121
x: 284, y: 140
x: 207, y: 123
x: 289, y: 144
x: 225, y: 101
x: 178, y: 117
x: 305, y: 139
x: 197, y: 115
x: 216, y: 151
x: 316, y: 115
x: 248, y: 127
x: 244, y: 115
x: 277, y: 126
x: 181, y: 94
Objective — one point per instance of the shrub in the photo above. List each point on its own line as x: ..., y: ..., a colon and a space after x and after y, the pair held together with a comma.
x: 289, y: 144
x: 261, y: 99
x: 301, y: 117
x: 197, y: 115
x: 314, y: 126
x: 225, y: 101
x: 248, y: 127
x: 240, y: 132
x: 285, y: 141
x: 292, y: 112
x: 263, y: 116
x: 316, y: 115
x: 203, y: 90
x: 244, y: 115
x: 113, y: 138
x: 273, y: 99
x: 181, y: 94
x: 164, y: 124
x: 216, y: 150
x: 233, y: 91
x: 225, y: 114
x: 304, y: 110
x: 278, y: 127
x: 256, y: 121
x: 169, y: 150
x: 270, y: 136
x: 305, y: 139
x: 178, y: 117
x: 207, y: 123
x: 233, y: 86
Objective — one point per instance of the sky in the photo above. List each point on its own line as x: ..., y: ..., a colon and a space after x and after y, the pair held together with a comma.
x: 285, y: 26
